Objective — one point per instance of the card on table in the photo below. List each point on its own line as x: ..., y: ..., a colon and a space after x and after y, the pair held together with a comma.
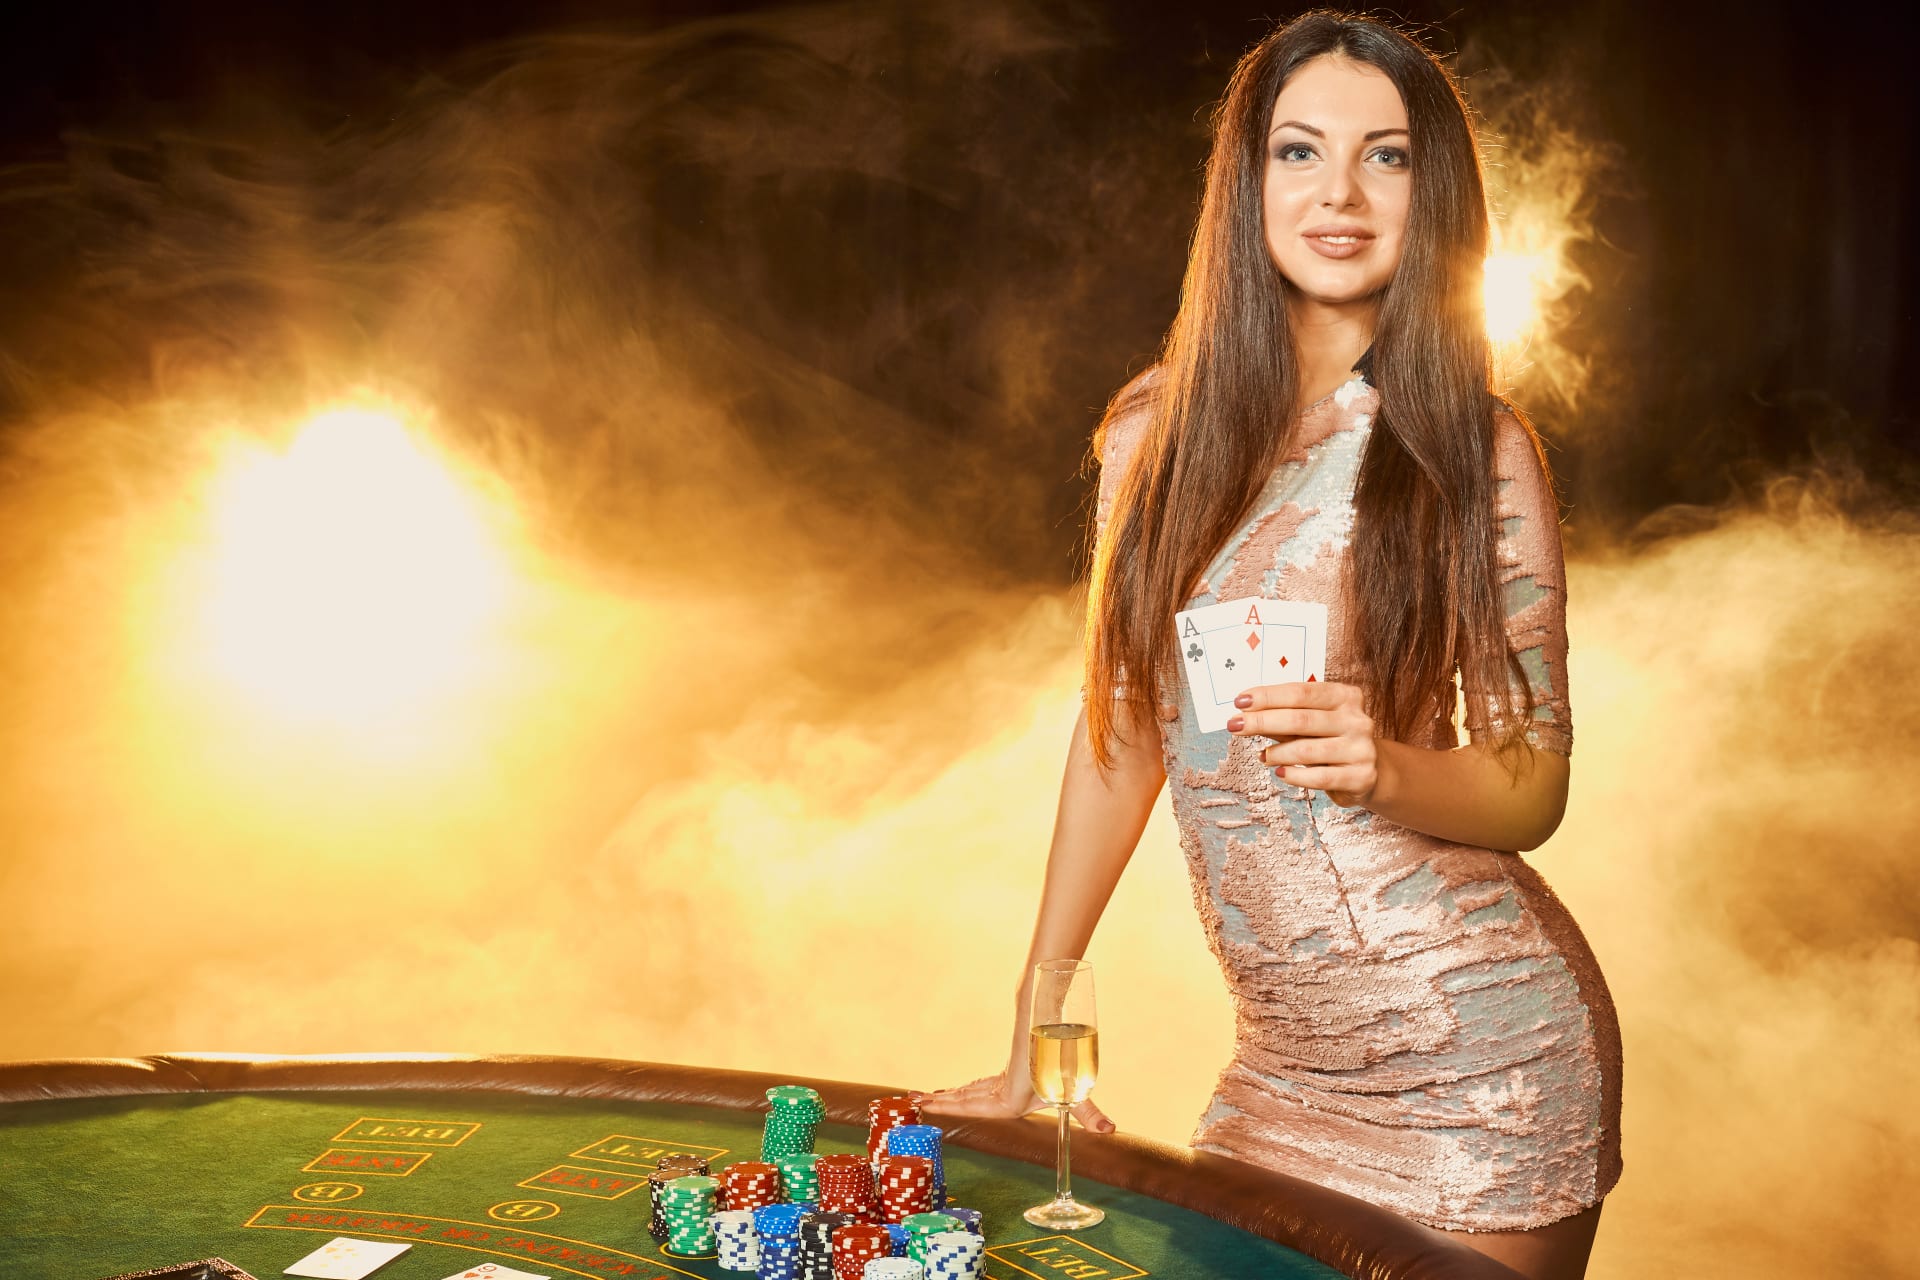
x: 1230, y: 647
x: 494, y: 1271
x: 343, y: 1258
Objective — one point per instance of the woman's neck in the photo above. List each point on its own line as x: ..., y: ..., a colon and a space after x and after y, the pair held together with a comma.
x: 1327, y: 342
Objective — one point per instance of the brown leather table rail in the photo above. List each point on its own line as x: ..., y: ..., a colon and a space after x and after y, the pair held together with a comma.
x: 1349, y: 1235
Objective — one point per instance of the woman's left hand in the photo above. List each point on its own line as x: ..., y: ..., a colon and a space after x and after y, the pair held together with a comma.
x: 1323, y: 737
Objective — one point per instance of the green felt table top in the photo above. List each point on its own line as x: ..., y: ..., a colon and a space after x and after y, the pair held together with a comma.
x: 555, y: 1186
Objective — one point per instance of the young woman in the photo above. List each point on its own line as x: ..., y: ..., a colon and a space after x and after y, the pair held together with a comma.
x: 1419, y: 1021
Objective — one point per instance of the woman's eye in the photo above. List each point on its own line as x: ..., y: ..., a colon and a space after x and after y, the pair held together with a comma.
x: 1293, y: 152
x: 1392, y: 156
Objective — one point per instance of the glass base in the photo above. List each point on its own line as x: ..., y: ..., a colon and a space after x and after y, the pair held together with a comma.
x: 1065, y: 1215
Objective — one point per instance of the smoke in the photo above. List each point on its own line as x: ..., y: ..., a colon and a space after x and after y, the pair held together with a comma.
x: 771, y: 380
x: 1548, y: 169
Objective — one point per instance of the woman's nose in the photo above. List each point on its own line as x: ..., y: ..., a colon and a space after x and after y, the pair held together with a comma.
x: 1340, y: 191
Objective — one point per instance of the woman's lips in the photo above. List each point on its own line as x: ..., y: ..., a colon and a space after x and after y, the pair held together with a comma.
x: 1337, y: 242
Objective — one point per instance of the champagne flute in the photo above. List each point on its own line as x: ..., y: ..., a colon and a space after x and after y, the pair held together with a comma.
x: 1065, y: 1059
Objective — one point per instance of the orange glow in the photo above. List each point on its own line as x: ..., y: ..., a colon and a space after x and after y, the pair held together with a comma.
x: 349, y: 579
x: 1512, y: 291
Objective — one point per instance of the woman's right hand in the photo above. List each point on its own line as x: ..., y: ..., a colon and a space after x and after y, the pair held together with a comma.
x: 1006, y: 1096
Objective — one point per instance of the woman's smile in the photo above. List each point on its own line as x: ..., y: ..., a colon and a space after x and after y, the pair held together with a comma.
x: 1338, y: 241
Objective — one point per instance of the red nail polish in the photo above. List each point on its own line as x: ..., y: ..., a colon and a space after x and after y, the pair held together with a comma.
x: 1236, y: 724
x: 1244, y: 701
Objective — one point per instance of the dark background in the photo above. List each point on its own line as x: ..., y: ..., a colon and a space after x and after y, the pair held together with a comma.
x: 1752, y: 270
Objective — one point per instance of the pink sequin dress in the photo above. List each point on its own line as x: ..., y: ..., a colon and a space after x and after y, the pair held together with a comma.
x: 1419, y: 1023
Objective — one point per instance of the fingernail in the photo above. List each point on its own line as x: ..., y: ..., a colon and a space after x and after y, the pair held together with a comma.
x: 1280, y: 771
x: 1236, y: 724
x: 1244, y: 701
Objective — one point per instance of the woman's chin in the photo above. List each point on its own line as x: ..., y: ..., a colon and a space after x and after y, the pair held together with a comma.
x: 1342, y: 297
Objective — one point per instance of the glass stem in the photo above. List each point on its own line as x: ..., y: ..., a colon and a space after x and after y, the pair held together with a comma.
x: 1063, y: 1173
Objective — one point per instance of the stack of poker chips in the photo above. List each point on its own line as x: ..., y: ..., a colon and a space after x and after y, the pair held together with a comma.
x: 856, y: 1245
x: 688, y: 1209
x: 795, y: 1113
x: 846, y: 1186
x: 970, y: 1219
x: 749, y: 1184
x: 906, y: 1186
x: 798, y: 1181
x: 669, y: 1168
x: 884, y: 1114
x: 896, y: 1238
x: 893, y: 1269
x: 736, y: 1240
x: 814, y: 1259
x: 921, y: 1140
x: 778, y: 1227
x: 953, y: 1255
x: 920, y: 1228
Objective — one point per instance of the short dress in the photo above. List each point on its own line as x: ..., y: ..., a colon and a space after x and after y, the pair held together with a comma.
x: 1418, y: 1023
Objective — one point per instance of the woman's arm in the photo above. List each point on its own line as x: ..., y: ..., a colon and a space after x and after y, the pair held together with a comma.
x: 1095, y: 830
x: 1468, y: 796
x: 1324, y: 739
x: 1098, y: 824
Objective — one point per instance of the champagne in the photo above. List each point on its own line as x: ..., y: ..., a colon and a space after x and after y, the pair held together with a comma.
x: 1066, y: 1058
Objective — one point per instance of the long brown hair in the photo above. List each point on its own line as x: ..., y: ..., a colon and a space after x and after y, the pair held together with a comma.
x: 1423, y: 588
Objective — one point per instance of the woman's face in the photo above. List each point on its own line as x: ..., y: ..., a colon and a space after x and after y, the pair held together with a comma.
x: 1337, y: 182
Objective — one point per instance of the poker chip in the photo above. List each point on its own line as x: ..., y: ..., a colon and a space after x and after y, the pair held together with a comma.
x: 736, y: 1241
x: 920, y: 1228
x: 798, y: 1181
x: 906, y: 1186
x: 794, y: 1113
x: 778, y: 1226
x: 921, y: 1140
x: 884, y: 1114
x: 971, y: 1219
x: 750, y: 1184
x: 846, y: 1186
x: 777, y: 1221
x: 814, y: 1261
x: 687, y: 1205
x: 667, y: 1169
x: 777, y: 1258
x: 854, y: 1246
x: 953, y: 1255
x: 795, y: 1215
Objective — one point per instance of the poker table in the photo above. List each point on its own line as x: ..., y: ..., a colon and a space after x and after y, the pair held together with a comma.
x: 111, y: 1166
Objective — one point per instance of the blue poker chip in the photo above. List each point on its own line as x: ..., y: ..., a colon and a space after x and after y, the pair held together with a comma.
x: 778, y: 1220
x: 898, y: 1236
x: 776, y: 1260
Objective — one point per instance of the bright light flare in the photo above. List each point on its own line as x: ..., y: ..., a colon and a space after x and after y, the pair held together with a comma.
x: 1514, y: 283
x: 351, y: 579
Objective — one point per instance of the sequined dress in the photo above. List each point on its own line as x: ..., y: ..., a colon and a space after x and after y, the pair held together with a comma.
x: 1419, y: 1023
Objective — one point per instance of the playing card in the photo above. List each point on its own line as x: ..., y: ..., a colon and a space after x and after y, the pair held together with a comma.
x: 345, y: 1259
x: 494, y: 1271
x: 1233, y: 646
